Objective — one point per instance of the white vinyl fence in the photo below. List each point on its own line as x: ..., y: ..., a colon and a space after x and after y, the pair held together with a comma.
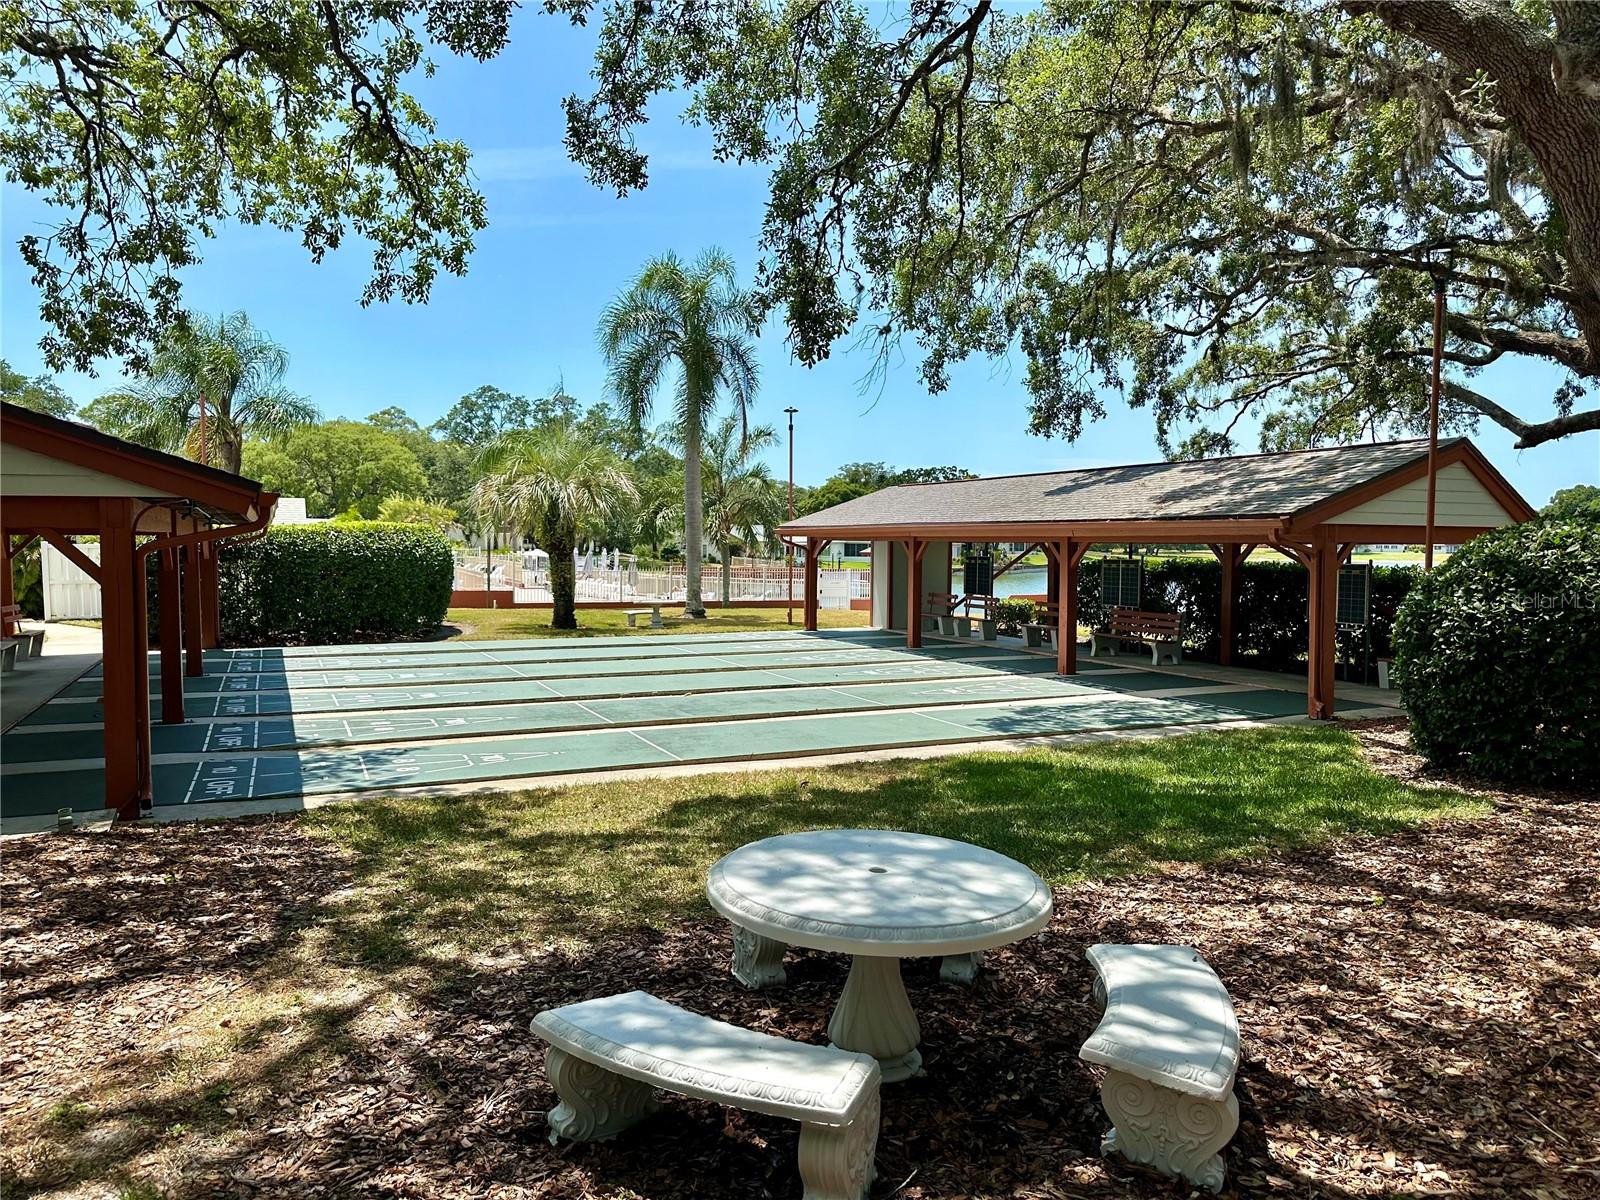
x: 608, y: 576
x: 69, y: 594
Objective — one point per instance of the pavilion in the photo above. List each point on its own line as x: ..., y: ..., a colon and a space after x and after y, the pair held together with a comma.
x: 59, y: 478
x: 1314, y: 506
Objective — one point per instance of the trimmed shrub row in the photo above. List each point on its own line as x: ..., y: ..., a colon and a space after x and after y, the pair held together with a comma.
x: 1498, y: 655
x: 334, y: 583
x: 1273, y: 623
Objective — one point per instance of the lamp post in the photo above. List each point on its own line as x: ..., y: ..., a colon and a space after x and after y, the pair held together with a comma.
x: 1433, y: 416
x: 788, y: 545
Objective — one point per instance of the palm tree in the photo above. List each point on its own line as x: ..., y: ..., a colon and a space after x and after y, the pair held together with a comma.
x: 696, y: 318
x: 552, y: 484
x: 239, y: 371
x: 744, y: 503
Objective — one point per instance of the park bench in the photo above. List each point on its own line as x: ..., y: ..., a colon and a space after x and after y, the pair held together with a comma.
x: 1170, y: 1046
x: 940, y: 609
x: 1159, y: 631
x: 980, y: 613
x: 31, y: 641
x: 633, y: 615
x: 606, y: 1056
x: 8, y: 654
x: 1043, y: 627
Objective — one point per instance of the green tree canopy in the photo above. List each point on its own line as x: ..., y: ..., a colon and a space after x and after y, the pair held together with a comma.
x: 41, y: 393
x: 148, y: 124
x: 1227, y: 212
x: 1580, y: 500
x: 338, y: 466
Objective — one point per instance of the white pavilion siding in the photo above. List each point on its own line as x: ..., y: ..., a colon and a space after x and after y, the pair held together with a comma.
x: 1459, y: 500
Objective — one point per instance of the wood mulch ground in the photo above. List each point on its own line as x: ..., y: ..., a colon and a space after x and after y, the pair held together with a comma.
x: 1420, y: 1015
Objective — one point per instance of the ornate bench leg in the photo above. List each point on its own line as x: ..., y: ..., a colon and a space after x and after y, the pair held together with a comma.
x: 960, y: 968
x: 595, y: 1103
x: 1175, y: 1133
x: 836, y: 1163
x: 757, y: 960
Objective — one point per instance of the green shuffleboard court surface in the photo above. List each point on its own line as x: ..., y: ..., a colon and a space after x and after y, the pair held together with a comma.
x: 445, y: 654
x: 279, y: 733
x: 487, y: 667
x: 239, y: 776
x: 317, y: 719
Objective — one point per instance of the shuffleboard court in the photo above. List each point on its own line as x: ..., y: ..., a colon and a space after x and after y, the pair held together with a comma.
x: 489, y: 667
x: 455, y: 654
x: 238, y: 776
x: 280, y: 731
x: 214, y: 705
x: 345, y: 649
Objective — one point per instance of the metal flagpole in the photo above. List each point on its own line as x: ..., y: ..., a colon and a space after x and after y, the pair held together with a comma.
x: 1433, y: 415
x: 789, y: 546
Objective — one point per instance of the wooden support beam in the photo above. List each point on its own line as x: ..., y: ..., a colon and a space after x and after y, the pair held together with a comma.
x: 812, y: 580
x: 1321, y: 649
x: 914, y: 552
x: 210, y: 608
x: 1067, y: 560
x: 1232, y: 559
x: 7, y: 594
x: 118, y: 675
x: 194, y: 661
x: 72, y: 554
x: 170, y: 596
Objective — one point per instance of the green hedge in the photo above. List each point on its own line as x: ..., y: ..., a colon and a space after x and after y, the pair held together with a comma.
x: 334, y: 583
x: 1273, y: 624
x: 1498, y: 655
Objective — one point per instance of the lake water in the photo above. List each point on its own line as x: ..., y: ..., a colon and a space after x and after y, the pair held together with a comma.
x: 1022, y: 581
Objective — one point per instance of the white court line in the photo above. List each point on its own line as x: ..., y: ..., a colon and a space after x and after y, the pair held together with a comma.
x: 598, y: 716
x: 653, y: 746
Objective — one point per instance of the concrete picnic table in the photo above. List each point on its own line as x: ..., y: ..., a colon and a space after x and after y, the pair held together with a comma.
x: 879, y: 896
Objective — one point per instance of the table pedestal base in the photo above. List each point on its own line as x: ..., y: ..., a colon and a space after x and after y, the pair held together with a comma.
x: 874, y: 1016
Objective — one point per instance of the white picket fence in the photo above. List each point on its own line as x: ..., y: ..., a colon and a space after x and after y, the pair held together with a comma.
x: 69, y: 593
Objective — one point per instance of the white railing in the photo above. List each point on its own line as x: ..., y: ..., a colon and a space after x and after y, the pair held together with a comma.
x: 605, y: 578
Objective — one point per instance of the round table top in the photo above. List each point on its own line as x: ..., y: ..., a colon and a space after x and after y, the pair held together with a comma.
x: 879, y: 892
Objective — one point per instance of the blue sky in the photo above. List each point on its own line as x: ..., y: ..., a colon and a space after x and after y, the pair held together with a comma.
x: 557, y: 250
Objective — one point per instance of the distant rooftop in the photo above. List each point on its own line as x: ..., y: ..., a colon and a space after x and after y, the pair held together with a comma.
x: 1260, y: 486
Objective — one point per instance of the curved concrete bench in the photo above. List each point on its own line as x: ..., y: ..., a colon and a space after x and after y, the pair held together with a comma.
x: 1170, y: 1044
x: 606, y: 1055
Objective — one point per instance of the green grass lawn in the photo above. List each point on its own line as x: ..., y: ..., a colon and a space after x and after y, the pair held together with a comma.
x: 444, y: 876
x: 487, y: 624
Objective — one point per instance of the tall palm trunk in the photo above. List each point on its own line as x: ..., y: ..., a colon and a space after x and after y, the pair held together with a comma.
x: 560, y: 544
x: 694, y: 520
x: 727, y: 572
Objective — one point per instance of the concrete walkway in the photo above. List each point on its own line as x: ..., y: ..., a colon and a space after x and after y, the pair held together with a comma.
x: 69, y: 651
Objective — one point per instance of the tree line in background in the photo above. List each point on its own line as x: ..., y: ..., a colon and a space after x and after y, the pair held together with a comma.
x: 499, y: 466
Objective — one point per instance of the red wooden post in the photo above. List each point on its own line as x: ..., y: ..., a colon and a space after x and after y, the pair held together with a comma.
x: 1229, y: 558
x: 1068, y: 557
x: 813, y: 553
x: 122, y: 664
x: 6, y: 585
x: 914, y: 551
x: 211, y: 615
x: 1320, y: 651
x: 193, y: 631
x: 170, y: 594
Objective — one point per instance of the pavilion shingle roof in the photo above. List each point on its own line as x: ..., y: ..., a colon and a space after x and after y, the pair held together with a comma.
x: 1248, y: 486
